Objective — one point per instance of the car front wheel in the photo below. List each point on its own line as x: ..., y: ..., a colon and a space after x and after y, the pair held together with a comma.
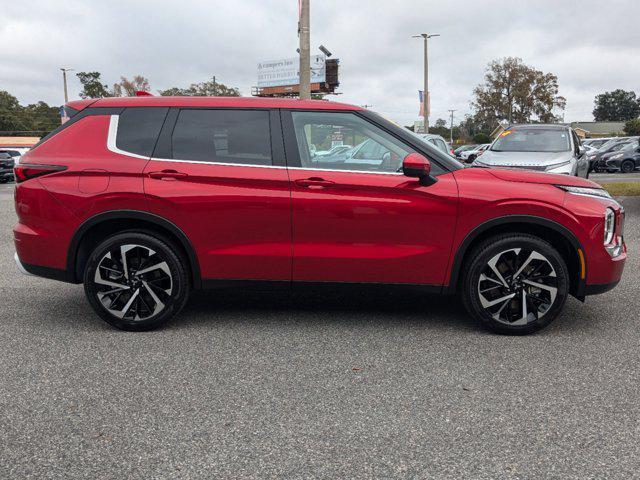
x: 515, y: 284
x: 136, y: 281
x: 627, y: 166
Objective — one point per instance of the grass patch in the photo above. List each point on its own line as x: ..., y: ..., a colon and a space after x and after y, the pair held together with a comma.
x: 631, y: 189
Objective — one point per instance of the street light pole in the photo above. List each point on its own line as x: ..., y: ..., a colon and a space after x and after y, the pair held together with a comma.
x: 64, y: 82
x: 425, y: 91
x: 305, y: 50
x: 451, y: 128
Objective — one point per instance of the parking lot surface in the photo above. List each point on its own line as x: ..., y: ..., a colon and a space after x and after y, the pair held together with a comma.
x: 315, y: 385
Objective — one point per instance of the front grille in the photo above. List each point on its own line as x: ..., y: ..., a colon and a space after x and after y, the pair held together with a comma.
x: 537, y: 168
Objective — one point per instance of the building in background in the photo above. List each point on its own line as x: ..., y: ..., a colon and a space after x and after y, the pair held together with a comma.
x: 598, y: 129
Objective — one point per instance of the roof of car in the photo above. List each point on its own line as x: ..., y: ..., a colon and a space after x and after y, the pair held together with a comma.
x: 539, y: 125
x: 239, y: 102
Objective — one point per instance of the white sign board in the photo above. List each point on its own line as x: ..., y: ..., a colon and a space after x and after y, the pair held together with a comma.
x: 283, y: 72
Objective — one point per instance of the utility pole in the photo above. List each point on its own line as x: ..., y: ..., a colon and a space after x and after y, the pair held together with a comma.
x: 64, y: 82
x: 305, y: 50
x: 425, y: 94
x: 451, y: 128
x: 215, y: 86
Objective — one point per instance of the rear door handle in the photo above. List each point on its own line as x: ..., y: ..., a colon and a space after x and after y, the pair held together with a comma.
x: 314, y: 182
x: 167, y: 175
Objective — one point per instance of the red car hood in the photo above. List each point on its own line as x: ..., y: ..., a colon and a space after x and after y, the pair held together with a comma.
x: 535, y: 177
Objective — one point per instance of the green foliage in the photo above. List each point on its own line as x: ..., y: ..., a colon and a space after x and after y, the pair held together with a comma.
x: 210, y: 88
x: 632, y: 127
x: 470, y: 127
x: 37, y: 117
x: 517, y: 93
x: 128, y: 88
x: 481, y: 138
x: 92, y: 86
x: 616, y: 106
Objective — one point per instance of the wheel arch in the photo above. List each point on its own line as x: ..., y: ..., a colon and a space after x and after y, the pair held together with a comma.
x: 558, y: 235
x: 92, y: 231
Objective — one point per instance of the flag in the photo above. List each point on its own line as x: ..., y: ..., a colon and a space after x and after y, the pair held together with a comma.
x: 63, y: 115
x: 422, y: 103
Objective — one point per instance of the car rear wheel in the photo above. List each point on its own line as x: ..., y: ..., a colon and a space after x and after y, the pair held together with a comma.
x: 515, y: 284
x: 471, y: 158
x: 627, y: 166
x: 136, y: 281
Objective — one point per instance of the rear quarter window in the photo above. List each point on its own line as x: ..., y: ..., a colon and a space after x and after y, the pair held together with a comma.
x: 138, y: 129
x: 223, y: 136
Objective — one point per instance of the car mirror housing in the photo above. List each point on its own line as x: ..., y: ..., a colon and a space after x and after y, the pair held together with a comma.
x: 418, y: 166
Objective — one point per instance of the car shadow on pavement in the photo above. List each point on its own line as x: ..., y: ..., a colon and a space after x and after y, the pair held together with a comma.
x: 329, y: 304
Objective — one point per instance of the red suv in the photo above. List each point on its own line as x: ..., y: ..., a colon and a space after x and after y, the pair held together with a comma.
x: 144, y: 198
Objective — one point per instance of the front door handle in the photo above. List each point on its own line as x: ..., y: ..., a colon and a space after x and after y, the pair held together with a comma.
x: 167, y: 175
x: 314, y: 183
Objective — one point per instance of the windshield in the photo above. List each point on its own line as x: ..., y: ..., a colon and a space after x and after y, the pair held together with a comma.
x: 533, y: 140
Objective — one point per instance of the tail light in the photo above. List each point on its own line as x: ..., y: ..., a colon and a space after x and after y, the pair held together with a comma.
x: 24, y: 172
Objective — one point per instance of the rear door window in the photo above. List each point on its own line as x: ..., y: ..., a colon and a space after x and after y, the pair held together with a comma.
x: 223, y: 136
x: 138, y: 129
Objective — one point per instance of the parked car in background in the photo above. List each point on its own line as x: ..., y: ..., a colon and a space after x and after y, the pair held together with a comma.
x: 461, y: 149
x: 337, y: 150
x: 437, y: 140
x: 596, y: 142
x: 540, y: 147
x: 612, y: 145
x: 625, y: 160
x: 6, y: 167
x: 470, y: 155
x: 15, y: 153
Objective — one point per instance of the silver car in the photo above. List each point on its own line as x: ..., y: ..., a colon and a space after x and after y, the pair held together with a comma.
x: 436, y: 140
x: 544, y: 148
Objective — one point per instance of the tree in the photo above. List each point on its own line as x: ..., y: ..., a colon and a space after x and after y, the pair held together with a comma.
x: 616, y: 106
x: 41, y: 117
x: 517, y: 93
x: 10, y: 112
x: 128, y: 88
x: 481, y: 138
x: 92, y: 86
x: 632, y: 127
x: 440, y: 128
x: 470, y: 127
x: 211, y: 88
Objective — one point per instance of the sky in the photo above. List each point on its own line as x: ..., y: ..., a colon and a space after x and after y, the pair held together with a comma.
x: 591, y: 46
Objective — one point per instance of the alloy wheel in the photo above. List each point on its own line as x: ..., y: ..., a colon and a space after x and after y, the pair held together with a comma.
x: 133, y: 282
x: 517, y: 286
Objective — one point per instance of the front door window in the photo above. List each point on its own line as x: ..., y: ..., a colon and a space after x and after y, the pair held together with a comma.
x: 367, y: 147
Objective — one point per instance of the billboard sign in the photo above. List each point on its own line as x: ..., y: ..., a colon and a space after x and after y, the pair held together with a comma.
x: 276, y: 73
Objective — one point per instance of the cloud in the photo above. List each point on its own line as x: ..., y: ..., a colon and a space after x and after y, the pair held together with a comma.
x: 591, y: 46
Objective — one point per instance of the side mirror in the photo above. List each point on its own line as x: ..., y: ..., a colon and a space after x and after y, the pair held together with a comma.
x: 581, y: 150
x: 418, y: 166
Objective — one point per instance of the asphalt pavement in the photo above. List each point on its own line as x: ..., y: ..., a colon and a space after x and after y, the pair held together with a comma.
x: 315, y: 385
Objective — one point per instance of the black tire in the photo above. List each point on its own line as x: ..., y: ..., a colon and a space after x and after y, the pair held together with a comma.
x: 159, y: 294
x: 541, y: 308
x: 471, y: 158
x: 627, y: 166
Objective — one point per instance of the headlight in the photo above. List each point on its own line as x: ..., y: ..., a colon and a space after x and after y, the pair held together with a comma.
x: 557, y: 165
x: 615, y: 157
x: 591, y: 156
x: 588, y: 191
x: 609, y: 225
